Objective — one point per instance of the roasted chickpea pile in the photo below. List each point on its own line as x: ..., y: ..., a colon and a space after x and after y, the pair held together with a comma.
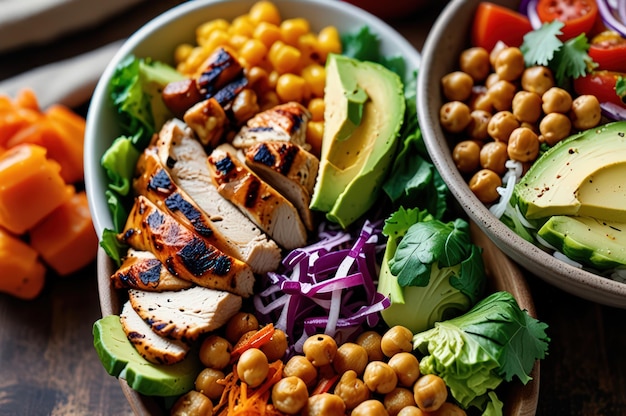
x: 377, y: 374
x: 497, y: 110
x: 283, y: 58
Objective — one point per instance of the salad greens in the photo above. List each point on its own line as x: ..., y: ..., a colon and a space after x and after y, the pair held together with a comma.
x: 431, y: 270
x: 493, y: 342
x: 567, y: 59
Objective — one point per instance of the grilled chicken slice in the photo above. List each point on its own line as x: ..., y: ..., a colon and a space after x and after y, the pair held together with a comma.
x: 289, y: 169
x: 264, y: 205
x: 185, y: 253
x: 186, y: 161
x: 185, y: 314
x: 150, y: 345
x: 219, y: 71
x: 142, y: 270
x: 155, y: 183
x: 208, y: 120
x: 284, y: 122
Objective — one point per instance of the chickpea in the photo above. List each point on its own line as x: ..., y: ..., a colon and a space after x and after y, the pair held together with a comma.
x: 370, y: 340
x: 398, y: 399
x: 290, y: 395
x: 252, y: 367
x: 493, y: 156
x: 430, y: 392
x: 484, y: 185
x: 492, y: 78
x: 276, y: 347
x: 497, y: 48
x: 586, y: 112
x: 454, y: 116
x: 449, y: 409
x: 466, y: 156
x: 477, y: 127
x: 192, y: 403
x: 475, y: 62
x: 457, y: 86
x: 554, y: 127
x: 537, y: 79
x: 300, y: 367
x: 370, y: 407
x: 380, y: 377
x: 406, y: 366
x: 501, y: 94
x: 509, y: 64
x: 350, y: 356
x: 206, y: 383
x: 396, y: 339
x: 480, y: 100
x: 523, y: 145
x: 351, y: 389
x: 239, y: 324
x: 411, y: 411
x: 215, y: 352
x: 324, y: 404
x: 501, y: 125
x: 526, y: 106
x: 556, y: 100
x: 320, y: 349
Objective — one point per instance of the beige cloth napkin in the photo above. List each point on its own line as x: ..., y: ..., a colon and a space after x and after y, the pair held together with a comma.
x: 70, y: 82
x: 25, y: 22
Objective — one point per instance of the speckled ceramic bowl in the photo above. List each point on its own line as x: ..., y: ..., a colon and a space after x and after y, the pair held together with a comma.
x: 448, y: 37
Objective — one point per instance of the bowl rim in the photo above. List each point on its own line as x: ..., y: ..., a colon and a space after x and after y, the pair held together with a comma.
x: 569, y: 278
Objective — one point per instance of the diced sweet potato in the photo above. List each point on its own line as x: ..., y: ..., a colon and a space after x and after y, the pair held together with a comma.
x: 23, y: 275
x: 66, y: 239
x: 31, y: 187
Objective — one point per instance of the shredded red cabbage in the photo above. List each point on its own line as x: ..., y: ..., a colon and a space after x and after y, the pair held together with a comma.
x: 326, y: 287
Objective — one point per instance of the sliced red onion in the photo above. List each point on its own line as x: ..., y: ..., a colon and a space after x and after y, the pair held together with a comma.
x: 609, y: 19
x: 531, y: 12
x: 613, y: 111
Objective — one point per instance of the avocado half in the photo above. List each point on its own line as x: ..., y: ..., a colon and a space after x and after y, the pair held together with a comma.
x: 576, y: 195
x: 364, y: 111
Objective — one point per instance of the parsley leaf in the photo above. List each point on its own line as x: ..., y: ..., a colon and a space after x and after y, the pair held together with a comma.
x: 572, y: 59
x: 540, y: 45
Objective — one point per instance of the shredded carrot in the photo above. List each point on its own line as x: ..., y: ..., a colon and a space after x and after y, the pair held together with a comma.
x: 257, y: 340
x: 324, y: 385
x: 239, y: 399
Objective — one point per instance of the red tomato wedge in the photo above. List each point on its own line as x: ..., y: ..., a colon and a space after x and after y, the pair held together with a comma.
x: 602, y: 85
x: 493, y: 22
x: 608, y: 50
x: 579, y: 16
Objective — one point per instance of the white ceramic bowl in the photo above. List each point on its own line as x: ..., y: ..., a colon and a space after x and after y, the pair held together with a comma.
x: 157, y: 39
x: 448, y: 37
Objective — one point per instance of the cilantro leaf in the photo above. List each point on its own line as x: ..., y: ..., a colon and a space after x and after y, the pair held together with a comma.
x: 572, y: 59
x: 541, y: 44
x: 620, y: 88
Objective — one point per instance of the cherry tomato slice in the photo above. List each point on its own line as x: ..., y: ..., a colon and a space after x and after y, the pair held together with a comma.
x: 579, y: 16
x: 602, y: 85
x: 608, y: 50
x: 493, y: 22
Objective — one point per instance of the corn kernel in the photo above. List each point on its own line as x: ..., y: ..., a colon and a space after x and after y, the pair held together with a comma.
x: 314, y: 136
x: 315, y: 76
x: 267, y: 33
x: 204, y: 30
x: 329, y: 41
x: 265, y: 11
x: 284, y: 58
x: 268, y: 100
x: 291, y: 87
x: 242, y: 25
x: 182, y: 52
x: 316, y: 107
x: 237, y: 41
x: 292, y: 29
x: 253, y: 51
x: 217, y: 38
x: 258, y: 79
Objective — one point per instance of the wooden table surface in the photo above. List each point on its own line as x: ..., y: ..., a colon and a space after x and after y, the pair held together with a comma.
x: 48, y: 365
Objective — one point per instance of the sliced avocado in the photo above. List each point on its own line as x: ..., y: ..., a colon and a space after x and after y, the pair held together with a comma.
x: 120, y: 359
x: 582, y: 175
x: 355, y: 158
x: 596, y: 243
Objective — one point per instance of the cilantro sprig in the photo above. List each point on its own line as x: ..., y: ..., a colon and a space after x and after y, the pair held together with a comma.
x: 567, y: 59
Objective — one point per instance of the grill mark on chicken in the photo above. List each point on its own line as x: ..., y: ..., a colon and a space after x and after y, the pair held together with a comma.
x: 222, y: 68
x: 142, y: 270
x: 228, y: 93
x: 185, y: 253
